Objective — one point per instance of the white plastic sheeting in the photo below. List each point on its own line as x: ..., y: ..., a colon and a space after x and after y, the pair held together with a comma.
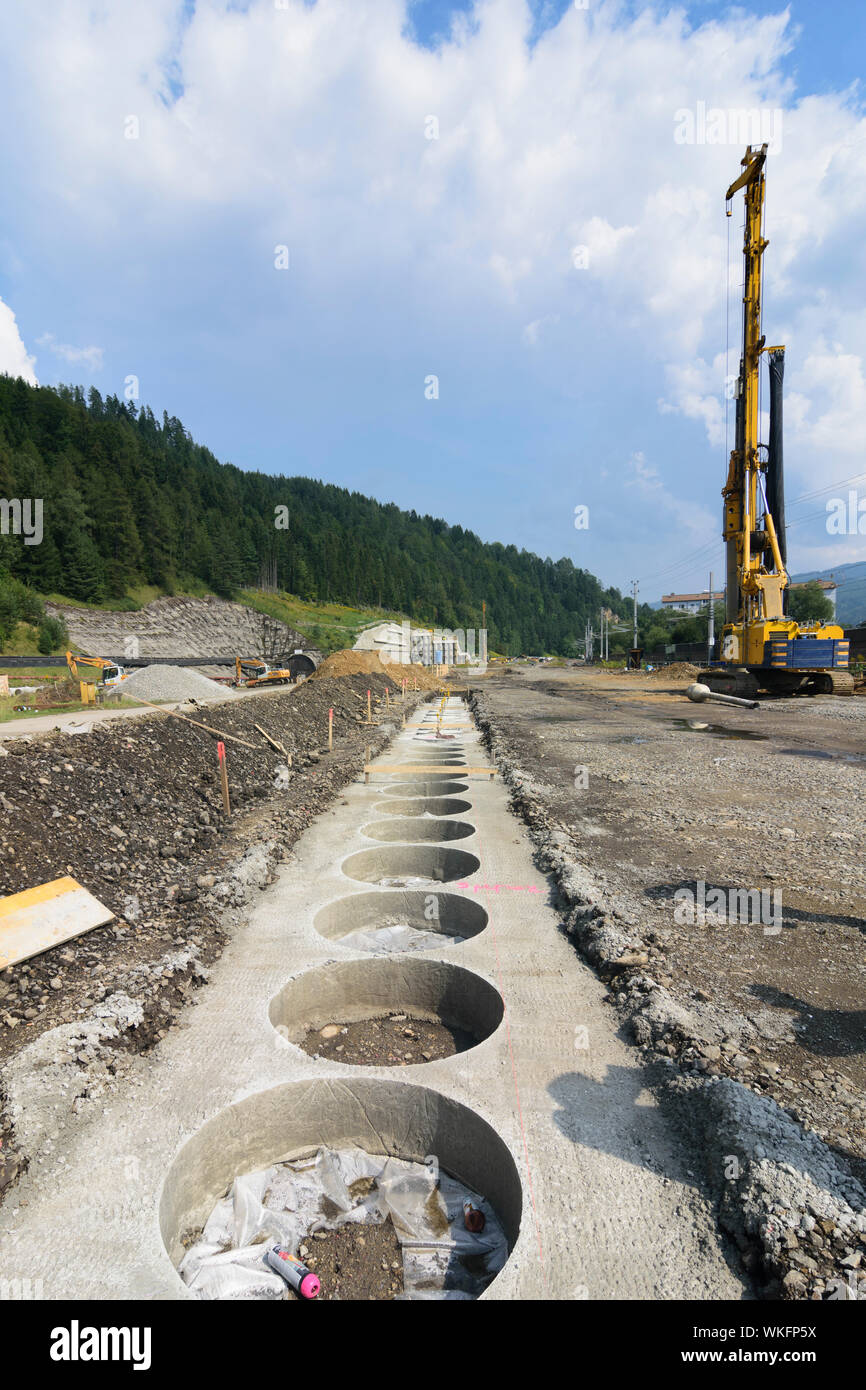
x: 384, y: 940
x: 289, y: 1201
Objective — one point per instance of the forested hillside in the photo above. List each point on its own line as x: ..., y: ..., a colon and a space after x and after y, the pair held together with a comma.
x: 130, y: 500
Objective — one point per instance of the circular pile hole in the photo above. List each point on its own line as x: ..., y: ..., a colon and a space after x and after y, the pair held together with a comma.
x: 437, y: 918
x: 300, y: 1119
x: 436, y: 760
x: 381, y: 1012
x: 424, y: 806
x: 417, y: 831
x: 410, y: 866
x: 434, y: 786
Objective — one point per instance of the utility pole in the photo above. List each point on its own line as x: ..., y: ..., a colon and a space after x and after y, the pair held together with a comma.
x: 711, y: 630
x: 634, y: 596
x: 601, y: 635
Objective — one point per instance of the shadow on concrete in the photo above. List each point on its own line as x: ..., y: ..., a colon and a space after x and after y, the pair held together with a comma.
x: 610, y: 1117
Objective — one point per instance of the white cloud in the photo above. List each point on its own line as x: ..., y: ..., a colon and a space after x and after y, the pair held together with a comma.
x: 697, y: 391
x: 661, y: 505
x: 532, y: 331
x: 15, y: 360
x: 92, y: 357
x: 306, y: 125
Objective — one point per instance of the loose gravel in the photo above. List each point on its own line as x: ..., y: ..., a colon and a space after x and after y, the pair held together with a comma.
x: 632, y: 796
x: 173, y: 683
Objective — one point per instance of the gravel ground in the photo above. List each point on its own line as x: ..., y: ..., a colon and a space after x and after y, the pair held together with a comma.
x: 634, y: 795
x: 133, y: 810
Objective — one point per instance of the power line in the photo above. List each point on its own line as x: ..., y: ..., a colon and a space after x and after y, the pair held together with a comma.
x: 686, y: 561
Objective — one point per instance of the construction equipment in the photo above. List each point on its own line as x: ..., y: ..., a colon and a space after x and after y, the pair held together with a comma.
x: 761, y: 647
x: 93, y: 671
x: 254, y: 671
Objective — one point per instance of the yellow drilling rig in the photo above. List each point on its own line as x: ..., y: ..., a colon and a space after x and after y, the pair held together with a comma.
x: 761, y: 647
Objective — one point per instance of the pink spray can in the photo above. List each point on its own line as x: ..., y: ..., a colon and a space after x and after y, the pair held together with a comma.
x: 296, y: 1274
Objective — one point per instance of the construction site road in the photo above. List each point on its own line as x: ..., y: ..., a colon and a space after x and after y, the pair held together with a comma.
x: 548, y: 1115
x: 663, y: 824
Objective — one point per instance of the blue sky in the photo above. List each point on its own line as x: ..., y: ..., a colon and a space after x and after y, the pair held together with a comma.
x: 492, y: 194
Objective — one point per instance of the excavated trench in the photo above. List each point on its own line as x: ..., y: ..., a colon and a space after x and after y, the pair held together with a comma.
x: 368, y: 1009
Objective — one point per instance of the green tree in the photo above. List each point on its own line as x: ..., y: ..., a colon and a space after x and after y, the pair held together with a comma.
x: 809, y: 604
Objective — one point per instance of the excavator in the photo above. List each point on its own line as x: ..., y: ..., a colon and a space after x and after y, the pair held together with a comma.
x: 93, y: 671
x: 761, y: 648
x: 255, y: 673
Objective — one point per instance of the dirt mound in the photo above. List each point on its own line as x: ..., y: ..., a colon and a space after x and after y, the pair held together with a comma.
x: 133, y: 810
x: 352, y: 663
x: 678, y: 670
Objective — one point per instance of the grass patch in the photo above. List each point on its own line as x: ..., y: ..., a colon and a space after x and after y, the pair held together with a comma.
x: 8, y: 712
x: 27, y: 675
x: 328, y: 626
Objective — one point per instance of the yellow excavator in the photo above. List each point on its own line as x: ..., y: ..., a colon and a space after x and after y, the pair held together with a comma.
x: 93, y: 671
x: 761, y: 648
x: 253, y: 672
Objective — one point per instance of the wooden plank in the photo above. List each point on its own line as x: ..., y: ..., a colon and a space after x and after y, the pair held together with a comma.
x: 45, y: 916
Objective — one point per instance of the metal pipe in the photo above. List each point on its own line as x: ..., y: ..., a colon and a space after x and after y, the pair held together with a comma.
x: 699, y: 693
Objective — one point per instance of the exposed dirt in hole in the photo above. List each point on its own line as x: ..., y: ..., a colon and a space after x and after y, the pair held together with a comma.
x: 398, y: 1041
x: 355, y: 1262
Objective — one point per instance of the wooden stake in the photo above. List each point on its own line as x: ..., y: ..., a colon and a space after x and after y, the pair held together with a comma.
x: 224, y: 777
x: 275, y: 743
x: 369, y: 713
x: 330, y: 731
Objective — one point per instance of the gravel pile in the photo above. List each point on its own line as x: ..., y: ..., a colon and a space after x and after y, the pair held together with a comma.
x: 173, y: 683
